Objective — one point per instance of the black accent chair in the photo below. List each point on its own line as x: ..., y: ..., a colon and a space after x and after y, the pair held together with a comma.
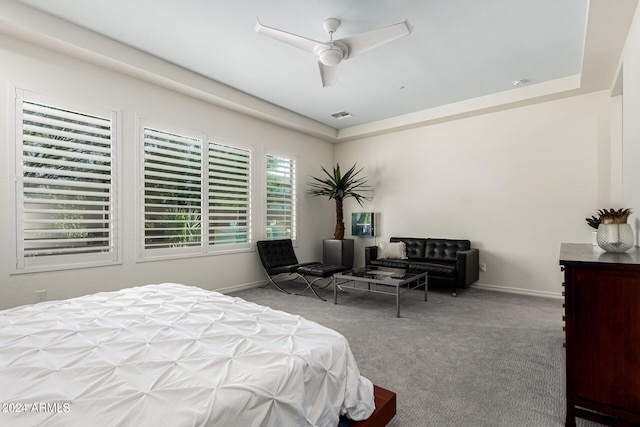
x: 278, y: 258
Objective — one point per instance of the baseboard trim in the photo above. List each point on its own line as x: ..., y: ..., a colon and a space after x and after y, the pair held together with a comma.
x: 506, y: 289
x: 520, y: 291
x: 240, y: 287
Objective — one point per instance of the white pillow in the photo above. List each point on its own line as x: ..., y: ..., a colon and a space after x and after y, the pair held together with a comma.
x: 392, y: 250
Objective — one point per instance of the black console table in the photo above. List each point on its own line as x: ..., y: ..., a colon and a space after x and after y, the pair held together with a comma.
x: 602, y: 324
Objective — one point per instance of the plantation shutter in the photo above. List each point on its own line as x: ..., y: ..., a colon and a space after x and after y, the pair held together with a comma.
x: 229, y: 195
x: 65, y: 187
x: 172, y: 191
x: 281, y: 206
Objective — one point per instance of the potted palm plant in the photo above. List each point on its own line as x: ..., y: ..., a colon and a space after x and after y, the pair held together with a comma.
x: 337, y: 186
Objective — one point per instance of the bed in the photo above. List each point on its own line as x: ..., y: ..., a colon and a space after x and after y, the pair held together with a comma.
x: 173, y: 355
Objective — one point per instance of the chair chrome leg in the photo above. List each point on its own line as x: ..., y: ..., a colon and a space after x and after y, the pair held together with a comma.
x: 310, y: 286
x: 272, y: 282
x: 314, y: 292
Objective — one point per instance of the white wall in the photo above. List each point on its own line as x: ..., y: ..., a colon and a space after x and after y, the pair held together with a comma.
x: 630, y: 66
x: 54, y: 74
x: 516, y: 183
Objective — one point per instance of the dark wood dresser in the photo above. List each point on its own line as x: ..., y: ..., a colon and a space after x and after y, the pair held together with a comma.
x: 602, y: 331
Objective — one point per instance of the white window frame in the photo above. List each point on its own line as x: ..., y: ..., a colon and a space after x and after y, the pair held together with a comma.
x: 60, y: 261
x: 294, y: 197
x: 204, y: 247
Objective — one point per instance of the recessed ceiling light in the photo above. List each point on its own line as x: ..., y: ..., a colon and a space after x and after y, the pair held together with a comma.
x: 341, y: 115
x: 519, y: 82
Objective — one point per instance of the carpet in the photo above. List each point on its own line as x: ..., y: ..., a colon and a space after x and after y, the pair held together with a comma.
x: 484, y: 358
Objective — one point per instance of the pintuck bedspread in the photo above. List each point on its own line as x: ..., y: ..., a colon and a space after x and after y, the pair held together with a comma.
x: 173, y: 355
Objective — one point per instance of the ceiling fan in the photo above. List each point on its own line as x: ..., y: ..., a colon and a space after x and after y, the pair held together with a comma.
x: 330, y: 54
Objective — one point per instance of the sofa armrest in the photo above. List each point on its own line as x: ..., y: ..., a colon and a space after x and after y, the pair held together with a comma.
x: 468, y: 266
x: 370, y: 253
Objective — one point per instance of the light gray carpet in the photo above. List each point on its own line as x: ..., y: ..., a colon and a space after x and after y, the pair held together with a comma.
x: 481, y: 359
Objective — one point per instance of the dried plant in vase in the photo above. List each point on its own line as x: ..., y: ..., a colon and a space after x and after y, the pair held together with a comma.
x: 614, y: 234
x: 613, y: 216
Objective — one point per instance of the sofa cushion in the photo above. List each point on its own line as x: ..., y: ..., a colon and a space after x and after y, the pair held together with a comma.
x: 444, y: 249
x: 392, y: 250
x: 437, y: 269
x: 415, y: 247
x: 393, y: 263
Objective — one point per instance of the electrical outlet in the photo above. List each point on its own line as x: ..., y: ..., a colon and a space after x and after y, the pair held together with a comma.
x: 41, y: 295
x: 483, y: 267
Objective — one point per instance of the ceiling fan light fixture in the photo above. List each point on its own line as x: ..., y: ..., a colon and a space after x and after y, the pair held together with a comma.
x: 331, y: 57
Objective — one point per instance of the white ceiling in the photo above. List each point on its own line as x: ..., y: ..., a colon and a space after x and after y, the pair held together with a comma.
x: 459, y: 50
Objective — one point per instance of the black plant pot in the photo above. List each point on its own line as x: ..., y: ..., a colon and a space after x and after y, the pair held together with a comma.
x: 338, y: 252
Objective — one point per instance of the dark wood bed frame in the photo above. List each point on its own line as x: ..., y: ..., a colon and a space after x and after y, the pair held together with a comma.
x: 385, y: 409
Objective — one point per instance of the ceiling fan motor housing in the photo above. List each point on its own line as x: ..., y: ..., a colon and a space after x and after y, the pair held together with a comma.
x: 332, y: 56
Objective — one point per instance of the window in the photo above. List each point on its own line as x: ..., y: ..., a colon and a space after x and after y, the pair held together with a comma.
x: 190, y: 208
x: 65, y: 192
x: 281, y: 198
x: 172, y: 191
x: 229, y: 196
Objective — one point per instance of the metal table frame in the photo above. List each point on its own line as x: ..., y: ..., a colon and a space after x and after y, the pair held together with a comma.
x: 384, y: 276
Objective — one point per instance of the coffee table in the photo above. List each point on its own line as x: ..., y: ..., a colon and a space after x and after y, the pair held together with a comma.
x: 378, y: 279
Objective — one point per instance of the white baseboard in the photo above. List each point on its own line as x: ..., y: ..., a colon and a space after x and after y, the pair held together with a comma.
x: 521, y: 291
x: 506, y: 289
x: 241, y: 287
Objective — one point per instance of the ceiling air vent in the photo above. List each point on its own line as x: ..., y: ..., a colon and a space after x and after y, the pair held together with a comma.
x: 341, y: 115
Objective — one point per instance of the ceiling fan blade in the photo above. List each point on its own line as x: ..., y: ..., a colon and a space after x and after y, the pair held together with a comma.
x: 368, y: 40
x: 328, y: 74
x: 294, y: 40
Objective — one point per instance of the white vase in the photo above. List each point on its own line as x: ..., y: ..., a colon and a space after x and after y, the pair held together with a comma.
x: 615, y: 237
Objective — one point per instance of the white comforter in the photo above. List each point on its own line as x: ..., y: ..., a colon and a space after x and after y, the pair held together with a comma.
x: 173, y: 355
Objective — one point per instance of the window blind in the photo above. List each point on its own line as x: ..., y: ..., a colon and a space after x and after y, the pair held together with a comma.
x: 65, y: 186
x: 281, y: 200
x: 229, y: 192
x: 172, y: 190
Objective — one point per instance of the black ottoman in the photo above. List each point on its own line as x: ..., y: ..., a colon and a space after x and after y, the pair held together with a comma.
x: 318, y: 271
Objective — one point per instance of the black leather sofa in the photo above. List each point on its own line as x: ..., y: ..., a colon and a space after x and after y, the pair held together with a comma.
x: 449, y: 262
